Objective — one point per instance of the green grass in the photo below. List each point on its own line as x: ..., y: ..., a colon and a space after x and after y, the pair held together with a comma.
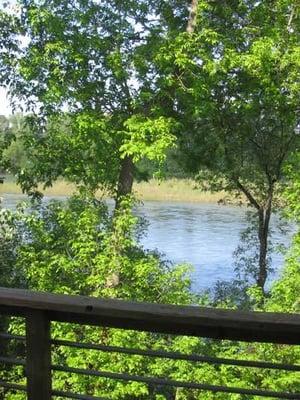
x: 181, y: 190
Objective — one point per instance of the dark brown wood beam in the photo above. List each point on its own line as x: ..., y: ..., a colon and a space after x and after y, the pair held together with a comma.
x: 181, y: 320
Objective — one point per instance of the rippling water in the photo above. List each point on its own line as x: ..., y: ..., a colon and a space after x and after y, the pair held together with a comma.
x: 204, y: 235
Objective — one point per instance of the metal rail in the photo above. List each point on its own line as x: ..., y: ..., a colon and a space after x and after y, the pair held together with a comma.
x: 177, y: 384
x: 178, y: 356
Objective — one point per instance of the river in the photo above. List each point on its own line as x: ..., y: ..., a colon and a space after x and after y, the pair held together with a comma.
x: 203, y: 235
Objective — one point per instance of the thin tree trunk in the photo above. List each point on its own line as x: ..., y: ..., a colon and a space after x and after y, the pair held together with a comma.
x: 125, y: 181
x: 264, y: 216
x: 263, y: 235
x: 263, y: 249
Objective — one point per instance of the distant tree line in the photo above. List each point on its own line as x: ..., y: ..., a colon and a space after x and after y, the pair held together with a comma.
x: 14, y: 153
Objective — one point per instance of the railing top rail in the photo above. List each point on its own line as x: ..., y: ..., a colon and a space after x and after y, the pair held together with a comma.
x: 169, y: 319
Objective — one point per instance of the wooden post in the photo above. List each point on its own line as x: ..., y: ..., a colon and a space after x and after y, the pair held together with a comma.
x: 38, y: 356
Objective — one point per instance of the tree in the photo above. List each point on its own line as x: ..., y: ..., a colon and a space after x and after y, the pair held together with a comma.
x: 9, y: 29
x: 93, y: 66
x: 5, y: 135
x: 238, y: 101
x: 12, y: 132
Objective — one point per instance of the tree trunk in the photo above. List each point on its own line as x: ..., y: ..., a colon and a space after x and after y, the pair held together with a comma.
x: 264, y: 216
x: 263, y: 249
x: 125, y: 181
x: 263, y: 234
x: 192, y: 17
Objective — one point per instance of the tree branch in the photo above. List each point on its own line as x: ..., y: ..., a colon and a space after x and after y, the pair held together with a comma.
x: 289, y: 25
x: 248, y: 194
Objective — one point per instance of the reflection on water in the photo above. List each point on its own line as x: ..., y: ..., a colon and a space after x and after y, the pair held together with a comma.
x: 204, y: 235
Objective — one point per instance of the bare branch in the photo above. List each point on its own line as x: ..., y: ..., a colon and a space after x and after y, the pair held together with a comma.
x: 289, y: 25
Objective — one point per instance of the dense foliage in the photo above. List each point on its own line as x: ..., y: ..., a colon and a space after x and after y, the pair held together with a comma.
x: 79, y: 248
x: 88, y: 74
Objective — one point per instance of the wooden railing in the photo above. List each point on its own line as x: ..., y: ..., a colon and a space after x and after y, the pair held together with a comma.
x: 40, y: 309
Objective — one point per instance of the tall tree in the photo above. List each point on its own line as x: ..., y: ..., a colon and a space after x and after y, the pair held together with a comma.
x: 238, y: 100
x: 9, y: 28
x: 93, y: 65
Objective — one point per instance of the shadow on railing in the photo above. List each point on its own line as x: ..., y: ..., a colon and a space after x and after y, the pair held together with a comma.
x: 40, y: 309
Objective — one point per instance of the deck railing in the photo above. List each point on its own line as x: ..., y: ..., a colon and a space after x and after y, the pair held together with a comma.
x: 40, y: 309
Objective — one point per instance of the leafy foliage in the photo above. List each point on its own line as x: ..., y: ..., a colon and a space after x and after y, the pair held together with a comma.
x: 74, y: 247
x: 238, y: 100
x: 79, y: 248
x: 94, y: 66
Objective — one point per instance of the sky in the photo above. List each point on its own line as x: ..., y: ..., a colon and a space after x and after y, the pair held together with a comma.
x: 4, y: 103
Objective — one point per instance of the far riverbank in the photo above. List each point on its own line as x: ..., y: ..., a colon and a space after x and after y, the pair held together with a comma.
x: 174, y: 190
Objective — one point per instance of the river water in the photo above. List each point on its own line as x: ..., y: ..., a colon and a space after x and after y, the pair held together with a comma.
x: 204, y: 235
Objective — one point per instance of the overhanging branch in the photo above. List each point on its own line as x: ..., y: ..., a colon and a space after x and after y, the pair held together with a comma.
x: 248, y: 194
